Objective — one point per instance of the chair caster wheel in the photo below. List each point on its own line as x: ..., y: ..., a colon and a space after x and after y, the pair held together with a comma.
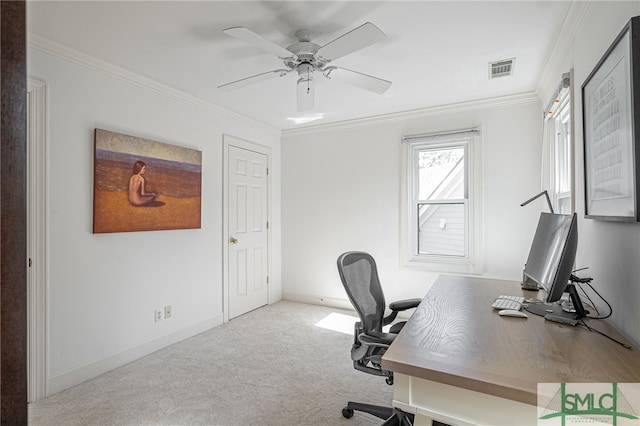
x: 347, y: 413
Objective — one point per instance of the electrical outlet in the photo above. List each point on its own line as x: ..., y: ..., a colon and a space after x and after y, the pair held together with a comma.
x: 157, y: 315
x: 168, y: 312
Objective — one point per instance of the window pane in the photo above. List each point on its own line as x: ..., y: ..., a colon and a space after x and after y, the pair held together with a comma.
x: 564, y: 205
x: 563, y: 163
x: 441, y: 174
x: 442, y: 229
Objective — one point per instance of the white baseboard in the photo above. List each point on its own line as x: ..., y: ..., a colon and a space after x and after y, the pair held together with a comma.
x: 319, y: 300
x: 332, y: 303
x: 76, y: 376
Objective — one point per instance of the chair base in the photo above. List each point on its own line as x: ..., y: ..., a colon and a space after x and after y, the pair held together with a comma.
x: 391, y: 416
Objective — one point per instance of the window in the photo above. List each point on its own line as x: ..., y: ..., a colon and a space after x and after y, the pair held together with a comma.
x: 442, y: 223
x: 558, y: 150
x: 562, y: 185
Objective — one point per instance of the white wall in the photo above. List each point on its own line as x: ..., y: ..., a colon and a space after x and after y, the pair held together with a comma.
x: 103, y: 288
x: 341, y: 188
x: 341, y: 191
x: 610, y: 250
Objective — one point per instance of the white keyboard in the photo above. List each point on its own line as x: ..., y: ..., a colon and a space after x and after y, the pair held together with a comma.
x: 508, y: 302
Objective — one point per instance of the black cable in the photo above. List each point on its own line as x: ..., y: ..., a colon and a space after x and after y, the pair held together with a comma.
x: 579, y: 281
x: 624, y: 345
x: 594, y: 306
x: 604, y: 300
x: 581, y: 269
x: 591, y: 303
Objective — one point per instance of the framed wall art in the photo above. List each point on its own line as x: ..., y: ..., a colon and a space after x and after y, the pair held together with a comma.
x: 611, y: 121
x: 144, y: 185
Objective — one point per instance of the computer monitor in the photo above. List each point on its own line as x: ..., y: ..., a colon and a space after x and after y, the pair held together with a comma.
x: 550, y: 262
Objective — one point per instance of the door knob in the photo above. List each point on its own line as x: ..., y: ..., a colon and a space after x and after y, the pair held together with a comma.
x: 233, y: 240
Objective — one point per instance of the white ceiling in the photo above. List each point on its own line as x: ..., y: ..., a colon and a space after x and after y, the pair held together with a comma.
x: 436, y: 53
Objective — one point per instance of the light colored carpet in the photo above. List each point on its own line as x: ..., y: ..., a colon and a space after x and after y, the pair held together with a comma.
x: 272, y: 366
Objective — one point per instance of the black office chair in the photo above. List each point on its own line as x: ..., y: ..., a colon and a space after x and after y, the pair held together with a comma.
x: 359, y: 276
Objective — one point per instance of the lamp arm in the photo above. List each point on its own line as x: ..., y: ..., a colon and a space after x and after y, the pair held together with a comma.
x: 546, y: 194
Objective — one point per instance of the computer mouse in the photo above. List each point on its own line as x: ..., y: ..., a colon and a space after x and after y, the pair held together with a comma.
x: 512, y: 313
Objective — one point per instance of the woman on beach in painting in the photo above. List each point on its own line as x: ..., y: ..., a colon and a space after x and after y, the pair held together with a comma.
x: 137, y: 194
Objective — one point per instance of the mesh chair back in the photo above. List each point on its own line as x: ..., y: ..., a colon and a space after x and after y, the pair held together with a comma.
x: 359, y: 277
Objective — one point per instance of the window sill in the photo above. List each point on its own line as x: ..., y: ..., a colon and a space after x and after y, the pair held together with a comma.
x: 461, y: 266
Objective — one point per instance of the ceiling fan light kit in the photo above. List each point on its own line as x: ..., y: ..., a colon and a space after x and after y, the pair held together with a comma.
x: 307, y: 57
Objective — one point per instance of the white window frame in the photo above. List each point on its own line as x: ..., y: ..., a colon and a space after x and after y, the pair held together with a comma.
x: 558, y: 135
x: 472, y: 261
x: 563, y: 141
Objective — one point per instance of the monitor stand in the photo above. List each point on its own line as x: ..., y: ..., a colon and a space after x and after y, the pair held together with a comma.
x: 554, y: 312
x: 528, y: 284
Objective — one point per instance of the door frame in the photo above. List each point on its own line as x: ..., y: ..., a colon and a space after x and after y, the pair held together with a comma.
x: 37, y: 224
x: 229, y: 140
x: 13, y: 215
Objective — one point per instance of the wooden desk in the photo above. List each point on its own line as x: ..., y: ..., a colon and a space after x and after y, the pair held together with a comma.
x: 457, y: 361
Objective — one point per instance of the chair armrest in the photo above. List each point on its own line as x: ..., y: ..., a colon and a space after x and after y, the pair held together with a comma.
x: 375, y: 338
x: 398, y: 306
x: 403, y: 305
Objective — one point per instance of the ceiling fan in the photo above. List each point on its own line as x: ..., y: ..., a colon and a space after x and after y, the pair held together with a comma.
x: 307, y: 57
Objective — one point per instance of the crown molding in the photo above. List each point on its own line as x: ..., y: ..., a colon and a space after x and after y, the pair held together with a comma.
x: 552, y: 73
x: 69, y: 54
x: 386, y: 119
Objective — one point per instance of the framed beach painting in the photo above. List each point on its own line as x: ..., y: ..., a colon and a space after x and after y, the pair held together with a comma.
x: 144, y: 185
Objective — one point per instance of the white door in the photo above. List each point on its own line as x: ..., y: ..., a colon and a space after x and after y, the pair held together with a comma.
x: 248, y: 239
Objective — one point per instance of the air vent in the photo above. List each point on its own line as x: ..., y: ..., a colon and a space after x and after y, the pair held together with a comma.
x: 501, y: 68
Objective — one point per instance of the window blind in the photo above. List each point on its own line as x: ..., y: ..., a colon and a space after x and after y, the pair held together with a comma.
x: 558, y: 96
x: 441, y: 136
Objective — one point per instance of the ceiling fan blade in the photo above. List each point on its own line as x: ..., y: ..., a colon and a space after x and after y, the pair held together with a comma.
x: 364, y: 81
x: 248, y: 36
x: 306, y: 93
x: 253, y: 79
x: 359, y: 38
